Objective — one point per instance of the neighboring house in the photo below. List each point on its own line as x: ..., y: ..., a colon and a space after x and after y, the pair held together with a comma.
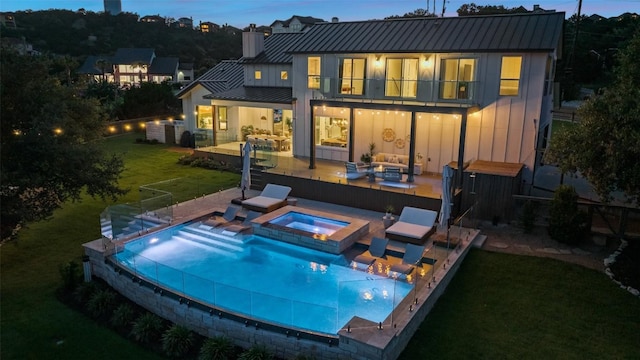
x: 184, y: 23
x: 98, y: 68
x: 208, y: 26
x: 21, y: 46
x: 153, y: 19
x: 132, y: 66
x: 432, y: 90
x: 8, y: 20
x: 294, y: 24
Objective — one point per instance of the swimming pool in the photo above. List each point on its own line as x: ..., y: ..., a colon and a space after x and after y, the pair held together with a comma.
x: 262, y: 279
x: 309, y: 223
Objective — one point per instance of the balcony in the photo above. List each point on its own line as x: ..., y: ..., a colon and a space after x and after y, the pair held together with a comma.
x: 400, y: 91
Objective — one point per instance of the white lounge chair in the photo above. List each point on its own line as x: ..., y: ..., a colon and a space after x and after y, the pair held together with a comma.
x: 272, y: 197
x: 412, y: 257
x: 377, y: 250
x: 244, y: 225
x: 413, y: 226
x: 228, y: 216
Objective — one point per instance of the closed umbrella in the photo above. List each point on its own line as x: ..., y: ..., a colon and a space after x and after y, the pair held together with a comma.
x: 445, y: 209
x: 245, y: 182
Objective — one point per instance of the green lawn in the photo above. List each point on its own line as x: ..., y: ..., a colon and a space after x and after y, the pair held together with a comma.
x: 498, y: 306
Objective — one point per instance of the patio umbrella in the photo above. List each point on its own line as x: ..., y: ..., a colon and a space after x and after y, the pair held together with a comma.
x: 445, y: 209
x: 245, y: 182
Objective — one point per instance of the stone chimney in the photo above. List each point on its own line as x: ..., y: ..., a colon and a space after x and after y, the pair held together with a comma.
x: 252, y: 42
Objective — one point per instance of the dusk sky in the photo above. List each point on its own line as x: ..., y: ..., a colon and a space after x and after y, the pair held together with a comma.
x: 264, y: 12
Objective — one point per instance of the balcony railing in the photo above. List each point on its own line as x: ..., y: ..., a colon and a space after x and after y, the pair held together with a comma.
x: 457, y: 92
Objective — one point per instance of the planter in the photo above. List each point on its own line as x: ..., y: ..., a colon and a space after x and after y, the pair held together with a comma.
x: 388, y: 220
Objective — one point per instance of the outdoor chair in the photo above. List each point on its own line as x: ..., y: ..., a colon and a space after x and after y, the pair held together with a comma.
x: 272, y: 197
x: 228, y: 216
x: 412, y: 258
x: 413, y: 226
x: 392, y: 174
x: 377, y: 250
x: 244, y: 225
x: 355, y: 171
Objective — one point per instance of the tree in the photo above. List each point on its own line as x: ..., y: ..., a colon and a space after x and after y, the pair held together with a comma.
x: 50, y: 151
x: 605, y: 146
x: 417, y: 13
x: 473, y: 10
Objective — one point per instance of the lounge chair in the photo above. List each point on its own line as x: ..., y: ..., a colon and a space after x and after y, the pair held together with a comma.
x: 228, y: 216
x: 413, y: 226
x: 412, y: 257
x: 244, y: 225
x: 376, y: 250
x: 272, y: 197
x: 355, y: 171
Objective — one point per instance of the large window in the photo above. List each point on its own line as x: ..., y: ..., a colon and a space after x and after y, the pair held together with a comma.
x: 352, y: 76
x: 401, y: 78
x: 456, y: 76
x: 313, y: 72
x: 510, y: 75
x: 204, y: 116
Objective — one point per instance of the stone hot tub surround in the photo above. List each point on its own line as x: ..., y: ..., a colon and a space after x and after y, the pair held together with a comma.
x: 335, y: 243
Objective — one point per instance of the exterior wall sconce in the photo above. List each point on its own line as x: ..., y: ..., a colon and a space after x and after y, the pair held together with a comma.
x: 378, y: 60
x: 426, y: 61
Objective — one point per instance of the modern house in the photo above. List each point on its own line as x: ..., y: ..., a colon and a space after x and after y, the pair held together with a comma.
x: 132, y: 66
x: 251, y: 93
x: 475, y: 91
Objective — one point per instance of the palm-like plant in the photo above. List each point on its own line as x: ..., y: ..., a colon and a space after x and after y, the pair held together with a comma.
x: 217, y: 348
x: 177, y: 341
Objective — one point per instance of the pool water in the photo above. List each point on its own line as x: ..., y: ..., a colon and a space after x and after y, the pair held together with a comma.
x: 309, y: 223
x: 262, y: 278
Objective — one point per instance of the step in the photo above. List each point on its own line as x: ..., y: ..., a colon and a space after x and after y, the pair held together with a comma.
x: 218, y: 242
x: 206, y: 247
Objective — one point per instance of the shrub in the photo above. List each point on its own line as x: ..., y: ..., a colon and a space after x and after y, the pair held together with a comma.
x: 122, y: 316
x: 217, y: 348
x: 84, y: 292
x: 567, y: 224
x: 528, y: 217
x: 177, y: 341
x: 147, y: 328
x: 256, y: 352
x: 101, y: 302
x: 70, y: 275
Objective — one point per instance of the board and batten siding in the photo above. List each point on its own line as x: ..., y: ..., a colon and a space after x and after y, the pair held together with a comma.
x: 270, y: 75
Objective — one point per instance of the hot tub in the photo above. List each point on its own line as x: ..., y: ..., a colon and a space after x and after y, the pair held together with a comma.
x: 318, y: 230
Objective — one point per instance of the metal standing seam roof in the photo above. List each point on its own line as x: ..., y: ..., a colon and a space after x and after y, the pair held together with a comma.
x: 134, y: 55
x: 275, y: 49
x: 496, y: 33
x: 164, y: 66
x: 277, y: 95
x: 227, y: 74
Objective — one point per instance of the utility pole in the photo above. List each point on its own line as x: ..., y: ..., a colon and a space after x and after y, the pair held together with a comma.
x: 444, y: 6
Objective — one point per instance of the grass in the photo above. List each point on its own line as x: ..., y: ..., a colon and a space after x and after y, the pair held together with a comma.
x: 498, y: 306
x: 35, y: 325
x: 505, y: 306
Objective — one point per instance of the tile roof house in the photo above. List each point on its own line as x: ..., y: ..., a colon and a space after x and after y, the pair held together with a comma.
x: 435, y: 91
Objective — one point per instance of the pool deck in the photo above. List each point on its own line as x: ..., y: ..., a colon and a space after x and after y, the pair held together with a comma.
x: 367, y: 339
